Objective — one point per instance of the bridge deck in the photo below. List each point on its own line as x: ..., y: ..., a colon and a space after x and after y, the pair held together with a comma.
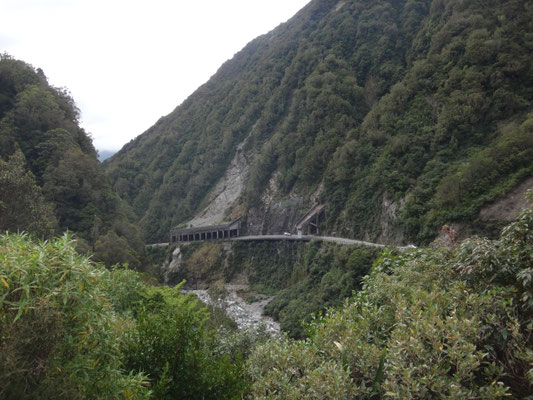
x: 306, y: 238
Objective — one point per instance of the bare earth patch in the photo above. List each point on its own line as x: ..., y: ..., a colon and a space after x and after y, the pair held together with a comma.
x: 508, y: 207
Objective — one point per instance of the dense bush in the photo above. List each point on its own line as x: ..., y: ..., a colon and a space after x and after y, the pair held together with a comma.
x: 59, y: 337
x: 71, y: 329
x: 171, y: 345
x: 446, y: 323
x: 318, y: 281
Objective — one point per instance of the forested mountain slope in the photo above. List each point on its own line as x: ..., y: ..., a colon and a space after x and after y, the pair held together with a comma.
x: 50, y: 178
x: 400, y: 116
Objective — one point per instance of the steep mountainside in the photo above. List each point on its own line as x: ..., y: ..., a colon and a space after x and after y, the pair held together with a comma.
x: 50, y: 178
x: 400, y: 116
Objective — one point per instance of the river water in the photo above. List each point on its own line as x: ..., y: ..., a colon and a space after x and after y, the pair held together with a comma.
x: 246, y: 315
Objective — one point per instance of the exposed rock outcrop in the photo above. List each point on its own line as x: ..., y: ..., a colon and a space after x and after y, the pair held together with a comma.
x: 173, y: 266
x: 508, y: 207
x: 226, y: 192
x: 391, y: 233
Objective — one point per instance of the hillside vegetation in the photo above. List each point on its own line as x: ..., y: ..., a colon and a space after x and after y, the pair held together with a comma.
x: 50, y: 178
x: 447, y: 323
x: 399, y: 115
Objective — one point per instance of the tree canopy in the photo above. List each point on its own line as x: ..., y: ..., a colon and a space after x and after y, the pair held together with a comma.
x: 51, y: 179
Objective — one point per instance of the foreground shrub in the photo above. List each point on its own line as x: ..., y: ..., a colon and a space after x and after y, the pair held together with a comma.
x: 58, y: 335
x: 70, y: 329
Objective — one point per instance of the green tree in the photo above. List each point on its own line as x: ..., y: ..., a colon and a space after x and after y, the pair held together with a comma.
x: 42, y: 121
x: 112, y: 249
x: 22, y: 205
x: 172, y: 346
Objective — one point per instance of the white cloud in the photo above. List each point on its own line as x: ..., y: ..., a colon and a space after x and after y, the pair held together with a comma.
x: 129, y: 62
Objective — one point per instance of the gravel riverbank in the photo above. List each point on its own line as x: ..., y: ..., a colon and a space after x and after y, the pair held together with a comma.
x: 246, y: 315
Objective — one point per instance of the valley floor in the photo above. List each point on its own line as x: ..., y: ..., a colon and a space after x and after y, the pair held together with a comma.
x: 247, y: 315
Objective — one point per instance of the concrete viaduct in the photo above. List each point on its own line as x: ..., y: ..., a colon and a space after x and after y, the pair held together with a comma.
x: 232, y: 231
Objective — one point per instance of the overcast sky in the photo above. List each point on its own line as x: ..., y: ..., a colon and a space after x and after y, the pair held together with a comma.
x: 129, y: 62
